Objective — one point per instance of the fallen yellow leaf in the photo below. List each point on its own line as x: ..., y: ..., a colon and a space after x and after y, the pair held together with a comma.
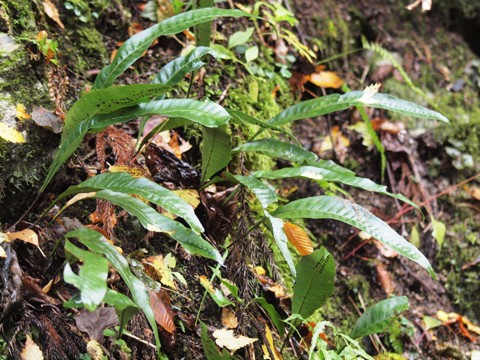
x: 326, y: 79
x: 22, y: 112
x: 27, y: 235
x: 226, y: 339
x: 31, y: 351
x: 94, y: 350
x: 266, y: 354
x: 10, y: 134
x: 190, y: 196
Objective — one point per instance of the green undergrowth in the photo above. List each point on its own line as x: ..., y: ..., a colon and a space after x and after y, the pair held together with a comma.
x: 462, y: 247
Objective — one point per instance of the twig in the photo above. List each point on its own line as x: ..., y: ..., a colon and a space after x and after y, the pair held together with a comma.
x: 140, y: 340
x: 446, y: 191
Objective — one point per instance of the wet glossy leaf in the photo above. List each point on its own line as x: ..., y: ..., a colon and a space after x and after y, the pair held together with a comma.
x: 153, y: 221
x: 206, y: 113
x: 92, y: 277
x: 97, y: 243
x: 216, y: 151
x: 278, y: 149
x: 274, y: 315
x: 328, y: 207
x: 335, y: 102
x: 175, y: 70
x: 378, y: 316
x: 329, y: 173
x: 240, y: 37
x: 314, y: 282
x: 276, y: 226
x: 264, y: 193
x: 133, y: 48
x: 123, y: 182
x: 80, y: 117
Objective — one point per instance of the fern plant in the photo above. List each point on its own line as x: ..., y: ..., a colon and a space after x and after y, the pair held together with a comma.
x: 107, y: 104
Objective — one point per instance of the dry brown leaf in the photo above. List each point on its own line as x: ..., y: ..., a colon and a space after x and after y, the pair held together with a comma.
x: 326, y: 79
x: 298, y: 238
x: 452, y: 317
x: 52, y: 12
x: 160, y: 303
x: 27, y: 235
x: 79, y: 197
x: 31, y: 351
x: 384, y: 279
x: 474, y: 191
x: 278, y: 290
x: 226, y: 339
x: 229, y: 319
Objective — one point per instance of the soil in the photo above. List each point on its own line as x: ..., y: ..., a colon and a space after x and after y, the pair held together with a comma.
x: 418, y: 166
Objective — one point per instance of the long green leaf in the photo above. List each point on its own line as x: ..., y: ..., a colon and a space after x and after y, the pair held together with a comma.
x: 320, y: 173
x: 264, y: 193
x: 329, y: 207
x: 133, y: 48
x: 96, y: 242
x: 241, y: 117
x: 92, y: 277
x: 278, y: 149
x: 335, y: 102
x: 206, y: 113
x: 276, y: 226
x: 273, y: 314
x: 203, y: 32
x: 153, y: 221
x: 314, y: 282
x: 79, y: 118
x: 175, y: 70
x: 378, y: 316
x: 126, y: 184
x: 216, y: 151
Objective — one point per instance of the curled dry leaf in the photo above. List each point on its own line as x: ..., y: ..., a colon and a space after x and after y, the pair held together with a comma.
x: 47, y: 120
x: 31, y: 351
x: 226, y: 339
x: 229, y: 319
x: 27, y: 235
x: 52, y: 12
x: 384, y: 279
x: 298, y: 238
x: 326, y: 79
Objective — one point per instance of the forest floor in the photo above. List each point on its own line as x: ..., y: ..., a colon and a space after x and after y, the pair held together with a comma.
x: 435, y: 165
